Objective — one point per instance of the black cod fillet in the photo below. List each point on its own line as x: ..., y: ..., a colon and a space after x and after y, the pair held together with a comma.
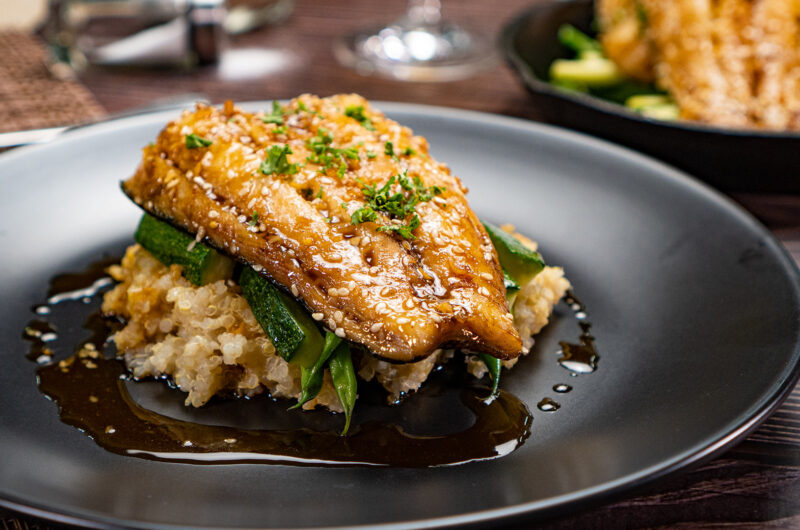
x: 288, y: 191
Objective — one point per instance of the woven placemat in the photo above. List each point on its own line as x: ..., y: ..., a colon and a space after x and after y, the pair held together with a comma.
x: 30, y: 97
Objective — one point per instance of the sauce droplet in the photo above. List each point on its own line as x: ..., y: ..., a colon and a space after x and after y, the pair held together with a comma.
x: 561, y: 388
x: 548, y: 405
x: 580, y: 358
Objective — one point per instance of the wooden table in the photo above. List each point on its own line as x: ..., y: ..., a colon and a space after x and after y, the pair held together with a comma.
x: 757, y: 483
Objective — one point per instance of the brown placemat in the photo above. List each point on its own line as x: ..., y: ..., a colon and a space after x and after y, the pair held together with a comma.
x: 30, y: 97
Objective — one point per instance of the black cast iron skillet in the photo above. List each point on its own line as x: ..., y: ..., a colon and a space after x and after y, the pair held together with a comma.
x: 732, y: 160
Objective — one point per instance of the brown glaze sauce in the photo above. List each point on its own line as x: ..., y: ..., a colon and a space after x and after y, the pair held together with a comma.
x: 91, y: 393
x: 90, y: 390
x: 579, y: 358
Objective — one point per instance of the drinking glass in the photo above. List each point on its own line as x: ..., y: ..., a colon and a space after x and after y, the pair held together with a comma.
x: 421, y: 46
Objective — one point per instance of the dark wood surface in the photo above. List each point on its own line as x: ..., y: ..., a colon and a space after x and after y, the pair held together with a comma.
x: 755, y: 484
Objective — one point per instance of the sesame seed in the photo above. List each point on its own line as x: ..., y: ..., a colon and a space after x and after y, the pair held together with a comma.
x: 486, y: 276
x: 376, y: 327
x: 317, y: 316
x: 365, y: 241
x: 340, y: 332
x: 213, y: 214
x: 258, y: 268
x: 295, y: 291
x: 408, y: 304
x: 484, y: 291
x: 338, y: 316
x: 374, y: 270
x: 403, y: 320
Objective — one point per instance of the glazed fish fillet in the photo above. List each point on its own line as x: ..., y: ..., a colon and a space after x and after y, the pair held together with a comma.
x: 295, y: 192
x: 734, y: 63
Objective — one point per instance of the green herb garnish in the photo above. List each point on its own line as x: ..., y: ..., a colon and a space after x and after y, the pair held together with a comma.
x: 371, y: 154
x: 253, y: 219
x: 408, y: 151
x: 276, y: 116
x: 277, y: 162
x: 281, y: 129
x: 357, y: 113
x: 398, y: 204
x: 327, y: 156
x: 388, y: 149
x: 403, y: 230
x: 364, y: 214
x: 193, y: 141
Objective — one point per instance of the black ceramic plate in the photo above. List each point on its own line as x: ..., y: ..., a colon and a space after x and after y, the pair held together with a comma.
x: 694, y: 307
x: 734, y: 160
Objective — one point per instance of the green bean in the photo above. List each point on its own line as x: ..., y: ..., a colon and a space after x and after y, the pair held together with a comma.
x: 576, y: 40
x: 494, y: 365
x: 344, y: 381
x: 311, y: 378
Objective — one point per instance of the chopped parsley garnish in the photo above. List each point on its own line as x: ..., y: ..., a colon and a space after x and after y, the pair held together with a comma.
x: 403, y: 230
x: 408, y: 151
x: 357, y: 113
x: 279, y: 130
x: 388, y: 149
x: 302, y: 106
x: 371, y: 154
x: 193, y: 141
x: 319, y: 193
x: 398, y: 204
x: 253, y: 219
x: 363, y: 215
x: 327, y: 156
x: 277, y: 162
x: 344, y: 205
x: 276, y: 116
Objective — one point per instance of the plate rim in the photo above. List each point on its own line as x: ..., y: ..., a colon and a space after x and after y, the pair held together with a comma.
x: 533, y: 510
x: 534, y: 83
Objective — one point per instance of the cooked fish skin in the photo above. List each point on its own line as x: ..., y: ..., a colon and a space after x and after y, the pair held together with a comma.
x: 400, y: 298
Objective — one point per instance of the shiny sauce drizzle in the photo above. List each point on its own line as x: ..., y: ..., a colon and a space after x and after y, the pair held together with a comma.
x: 90, y: 390
x: 580, y: 358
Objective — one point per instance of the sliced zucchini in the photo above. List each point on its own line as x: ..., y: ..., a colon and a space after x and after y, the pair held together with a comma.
x: 512, y: 289
x: 292, y: 331
x: 666, y: 112
x: 643, y: 101
x: 520, y: 262
x: 169, y: 245
x: 592, y: 72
